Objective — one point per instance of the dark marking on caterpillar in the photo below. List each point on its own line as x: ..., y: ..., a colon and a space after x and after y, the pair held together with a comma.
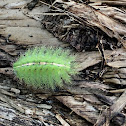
x: 46, y: 67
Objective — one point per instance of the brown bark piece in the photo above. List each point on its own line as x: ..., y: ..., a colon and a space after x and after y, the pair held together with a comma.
x: 117, y: 59
x: 116, y: 73
x: 87, y: 59
x: 113, y: 12
x: 83, y: 109
x: 113, y: 110
x: 115, y: 3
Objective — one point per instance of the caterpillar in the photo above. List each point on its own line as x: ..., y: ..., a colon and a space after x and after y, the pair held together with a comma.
x: 45, y: 67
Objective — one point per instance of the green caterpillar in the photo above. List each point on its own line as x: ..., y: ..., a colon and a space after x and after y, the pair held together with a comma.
x: 45, y: 67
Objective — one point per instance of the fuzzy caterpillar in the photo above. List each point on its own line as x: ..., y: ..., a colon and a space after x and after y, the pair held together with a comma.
x: 45, y: 67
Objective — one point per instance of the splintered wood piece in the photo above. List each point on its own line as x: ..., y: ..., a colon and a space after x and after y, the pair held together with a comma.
x: 83, y: 109
x: 113, y: 110
x: 116, y: 58
x: 116, y: 72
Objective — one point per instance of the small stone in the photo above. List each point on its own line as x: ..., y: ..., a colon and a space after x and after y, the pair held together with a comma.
x: 16, y: 91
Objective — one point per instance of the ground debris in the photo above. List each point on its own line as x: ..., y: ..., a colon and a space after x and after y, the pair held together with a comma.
x: 94, y: 31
